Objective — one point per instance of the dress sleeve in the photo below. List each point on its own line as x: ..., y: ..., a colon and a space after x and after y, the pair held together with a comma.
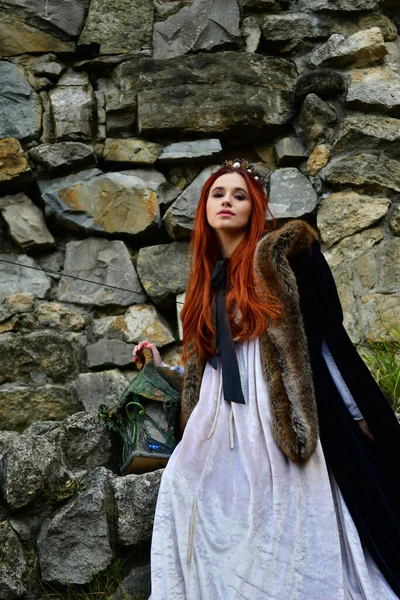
x: 178, y: 368
x: 340, y: 383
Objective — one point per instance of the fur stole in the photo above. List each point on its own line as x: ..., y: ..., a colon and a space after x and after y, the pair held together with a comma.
x: 283, y: 348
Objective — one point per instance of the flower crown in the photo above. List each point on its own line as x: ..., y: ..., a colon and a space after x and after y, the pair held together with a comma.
x: 241, y: 163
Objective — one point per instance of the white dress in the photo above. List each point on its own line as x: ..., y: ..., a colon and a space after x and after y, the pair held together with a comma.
x: 237, y: 520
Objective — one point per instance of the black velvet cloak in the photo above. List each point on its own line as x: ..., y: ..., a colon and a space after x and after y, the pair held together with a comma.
x: 366, y: 471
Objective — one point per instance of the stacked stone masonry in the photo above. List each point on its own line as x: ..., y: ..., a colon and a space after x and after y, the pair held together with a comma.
x: 112, y: 116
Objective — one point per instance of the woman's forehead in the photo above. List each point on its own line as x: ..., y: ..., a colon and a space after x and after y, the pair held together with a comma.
x: 230, y: 180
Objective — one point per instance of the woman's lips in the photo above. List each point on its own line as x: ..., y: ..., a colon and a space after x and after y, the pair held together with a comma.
x: 225, y: 213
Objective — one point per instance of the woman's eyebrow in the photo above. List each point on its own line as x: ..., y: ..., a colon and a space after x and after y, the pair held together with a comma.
x: 220, y: 187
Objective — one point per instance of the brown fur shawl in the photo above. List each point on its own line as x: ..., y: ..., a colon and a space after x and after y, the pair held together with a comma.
x: 283, y: 348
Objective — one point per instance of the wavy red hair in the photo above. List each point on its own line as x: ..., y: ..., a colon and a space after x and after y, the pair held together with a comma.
x: 247, y: 292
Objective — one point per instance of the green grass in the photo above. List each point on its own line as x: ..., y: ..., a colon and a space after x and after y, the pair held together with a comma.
x: 382, y: 357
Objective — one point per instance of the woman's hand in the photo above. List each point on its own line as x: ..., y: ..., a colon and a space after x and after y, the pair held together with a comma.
x: 145, y: 344
x: 362, y: 423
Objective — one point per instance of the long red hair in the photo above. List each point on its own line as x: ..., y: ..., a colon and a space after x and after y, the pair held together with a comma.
x: 246, y: 291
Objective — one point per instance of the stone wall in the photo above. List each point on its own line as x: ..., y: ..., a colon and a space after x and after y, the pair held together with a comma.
x: 112, y: 116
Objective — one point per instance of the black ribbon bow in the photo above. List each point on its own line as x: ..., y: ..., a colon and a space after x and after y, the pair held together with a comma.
x: 224, y: 342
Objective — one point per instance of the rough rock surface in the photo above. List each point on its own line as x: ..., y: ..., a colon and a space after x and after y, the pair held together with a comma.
x: 50, y: 355
x: 20, y: 406
x: 72, y: 104
x: 395, y: 221
x: 289, y: 150
x: 86, y: 443
x: 26, y: 222
x: 109, y: 353
x: 370, y: 132
x: 375, y: 89
x: 12, y: 563
x: 288, y: 27
x: 20, y: 273
x: 94, y: 389
x: 120, y: 27
x: 334, y: 5
x: 54, y: 315
x: 76, y: 543
x: 109, y: 203
x: 67, y: 18
x: 135, y: 498
x: 14, y: 168
x: 364, y: 48
x: 316, y: 120
x: 291, y: 194
x: 344, y: 213
x: 62, y: 156
x: 379, y: 313
x: 373, y: 172
x: 324, y: 83
x: 178, y: 219
x: 20, y: 113
x: 202, y: 25
x: 353, y: 247
x: 164, y: 269
x: 102, y: 262
x: 389, y: 271
x: 132, y: 150
x: 135, y: 585
x: 190, y: 150
x: 318, y: 159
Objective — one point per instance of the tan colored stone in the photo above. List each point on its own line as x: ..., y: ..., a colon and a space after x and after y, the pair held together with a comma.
x: 20, y: 303
x: 363, y: 48
x: 343, y: 213
x: 18, y: 37
x: 395, y: 221
x: 352, y: 247
x: 389, y: 261
x: 13, y: 162
x: 267, y: 154
x: 380, y: 312
x: 26, y: 222
x: 131, y: 151
x: 57, y: 316
x: 370, y: 171
x: 367, y: 271
x: 344, y: 284
x: 318, y: 159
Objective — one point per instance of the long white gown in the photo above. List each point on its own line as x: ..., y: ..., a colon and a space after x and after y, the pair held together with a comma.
x: 236, y: 520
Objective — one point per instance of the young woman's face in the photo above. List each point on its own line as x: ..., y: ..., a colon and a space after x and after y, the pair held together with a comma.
x: 229, y: 204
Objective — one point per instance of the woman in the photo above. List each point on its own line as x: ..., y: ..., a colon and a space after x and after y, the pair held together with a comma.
x: 249, y: 504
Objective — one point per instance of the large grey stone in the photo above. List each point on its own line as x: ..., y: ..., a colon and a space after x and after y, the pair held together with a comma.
x: 316, y: 120
x: 164, y: 269
x: 375, y: 90
x: 108, y: 353
x: 94, y: 389
x: 196, y: 149
x: 202, y: 25
x: 43, y: 353
x: 135, y: 498
x: 62, y: 156
x: 20, y: 273
x: 156, y: 181
x: 369, y: 171
x: 86, y: 443
x: 252, y: 92
x: 12, y: 563
x: 26, y: 222
x: 123, y: 26
x: 67, y: 17
x: 101, y: 262
x: 76, y: 543
x: 72, y: 104
x: 290, y: 150
x: 344, y: 213
x: 108, y: 203
x: 20, y: 108
x: 370, y: 132
x: 18, y: 37
x: 337, y: 5
x: 28, y: 466
x: 289, y: 26
x: 291, y: 194
x: 363, y: 48
x: 20, y: 406
x: 179, y: 218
